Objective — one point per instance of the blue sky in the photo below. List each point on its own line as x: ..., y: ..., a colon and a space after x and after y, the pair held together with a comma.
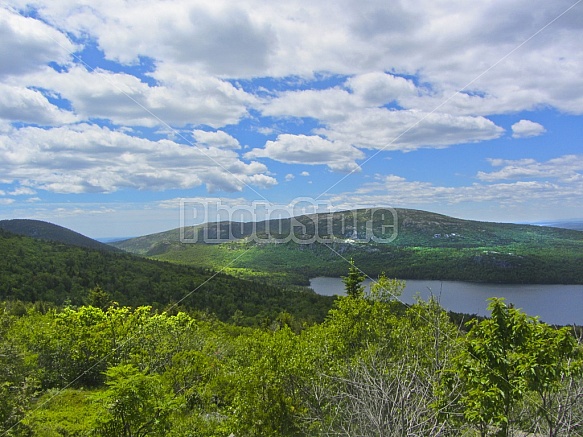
x: 111, y: 113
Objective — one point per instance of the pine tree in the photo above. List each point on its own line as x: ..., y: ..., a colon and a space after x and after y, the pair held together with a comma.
x: 353, y: 281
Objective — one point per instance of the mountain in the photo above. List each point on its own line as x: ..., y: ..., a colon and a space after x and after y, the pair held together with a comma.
x: 576, y: 224
x: 51, y: 232
x: 35, y: 270
x: 410, y: 244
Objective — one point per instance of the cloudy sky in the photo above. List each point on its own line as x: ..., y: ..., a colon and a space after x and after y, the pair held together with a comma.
x: 111, y: 111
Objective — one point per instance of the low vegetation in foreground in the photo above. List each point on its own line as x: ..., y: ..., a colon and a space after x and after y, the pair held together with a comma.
x: 372, y: 367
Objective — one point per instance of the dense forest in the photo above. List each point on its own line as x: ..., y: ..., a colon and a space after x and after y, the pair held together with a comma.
x: 372, y: 367
x: 51, y: 232
x: 33, y: 270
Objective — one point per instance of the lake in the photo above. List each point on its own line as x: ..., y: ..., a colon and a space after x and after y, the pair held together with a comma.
x: 556, y: 304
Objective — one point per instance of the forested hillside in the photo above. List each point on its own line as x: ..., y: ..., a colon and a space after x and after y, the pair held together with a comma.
x: 34, y: 270
x: 51, y: 232
x: 426, y: 246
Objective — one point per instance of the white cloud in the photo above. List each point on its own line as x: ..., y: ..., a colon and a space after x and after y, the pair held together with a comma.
x: 357, y: 117
x: 219, y: 139
x: 265, y: 130
x: 88, y: 158
x: 215, y: 38
x: 567, y: 168
x: 370, y: 90
x: 30, y: 106
x: 302, y: 149
x: 328, y: 105
x: 527, y: 128
x: 179, y: 99
x: 448, y: 45
x: 28, y: 44
x: 289, y: 177
x: 377, y: 89
x: 409, y: 130
x: 305, y: 173
x: 22, y: 191
x: 557, y: 182
x: 396, y: 191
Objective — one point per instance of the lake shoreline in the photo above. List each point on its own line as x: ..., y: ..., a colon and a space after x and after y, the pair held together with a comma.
x: 560, y: 304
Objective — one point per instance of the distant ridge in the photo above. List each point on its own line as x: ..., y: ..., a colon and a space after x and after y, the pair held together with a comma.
x: 415, y: 228
x: 48, y: 231
x: 416, y: 245
x: 575, y: 224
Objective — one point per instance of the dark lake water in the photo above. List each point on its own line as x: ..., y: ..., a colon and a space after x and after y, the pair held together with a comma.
x: 556, y: 304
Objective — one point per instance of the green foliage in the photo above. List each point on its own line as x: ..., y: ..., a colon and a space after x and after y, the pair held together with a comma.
x: 133, y: 405
x: 267, y: 402
x: 353, y: 281
x: 99, y: 298
x: 63, y: 413
x: 17, y: 385
x: 386, y: 289
x: 67, y: 347
x: 374, y: 366
x: 506, y: 356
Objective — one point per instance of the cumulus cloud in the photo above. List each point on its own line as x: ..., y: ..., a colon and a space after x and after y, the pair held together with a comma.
x: 219, y: 139
x: 355, y: 114
x: 396, y: 191
x: 377, y: 88
x: 409, y: 130
x: 28, y: 44
x: 381, y: 76
x: 527, y: 128
x: 22, y: 191
x: 303, y: 149
x: 89, y: 158
x: 179, y: 99
x: 524, y: 185
x: 215, y: 38
x: 21, y: 104
x: 327, y: 105
x: 369, y: 90
x: 567, y: 168
x: 450, y: 47
x: 558, y: 181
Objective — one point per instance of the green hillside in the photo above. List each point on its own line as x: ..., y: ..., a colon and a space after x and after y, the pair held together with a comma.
x: 51, y: 232
x: 37, y: 270
x: 427, y: 246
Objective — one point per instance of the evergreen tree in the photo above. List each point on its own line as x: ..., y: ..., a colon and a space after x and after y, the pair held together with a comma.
x: 353, y: 281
